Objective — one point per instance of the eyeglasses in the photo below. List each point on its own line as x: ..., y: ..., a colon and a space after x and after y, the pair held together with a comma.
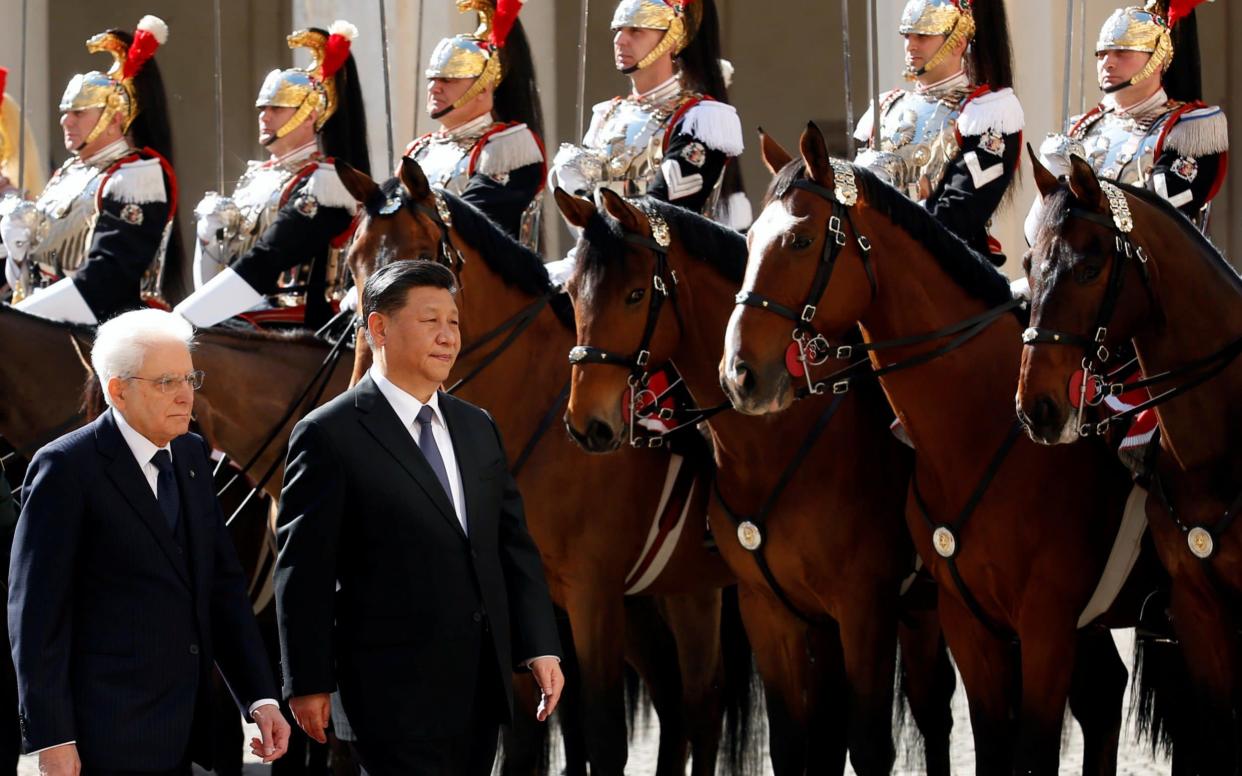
x: 172, y: 383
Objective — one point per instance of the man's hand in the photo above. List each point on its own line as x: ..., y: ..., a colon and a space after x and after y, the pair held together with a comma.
x: 547, y: 672
x: 60, y: 761
x: 273, y: 740
x: 312, y: 713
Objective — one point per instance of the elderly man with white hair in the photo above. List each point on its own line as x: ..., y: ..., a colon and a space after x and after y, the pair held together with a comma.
x: 125, y: 589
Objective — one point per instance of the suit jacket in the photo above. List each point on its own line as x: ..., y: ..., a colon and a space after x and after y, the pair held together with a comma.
x: 114, y: 626
x: 378, y: 588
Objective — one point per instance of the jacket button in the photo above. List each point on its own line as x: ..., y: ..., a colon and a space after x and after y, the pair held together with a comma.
x: 193, y: 649
x: 478, y: 617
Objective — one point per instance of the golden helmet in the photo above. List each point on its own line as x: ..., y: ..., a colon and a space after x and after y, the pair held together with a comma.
x: 1138, y: 29
x: 114, y: 90
x: 477, y: 54
x: 678, y: 18
x: 313, y: 87
x: 950, y: 18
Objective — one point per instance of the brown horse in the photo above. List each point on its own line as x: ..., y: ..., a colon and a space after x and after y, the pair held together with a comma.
x: 1016, y: 534
x: 820, y: 591
x: 1115, y: 264
x: 589, y: 516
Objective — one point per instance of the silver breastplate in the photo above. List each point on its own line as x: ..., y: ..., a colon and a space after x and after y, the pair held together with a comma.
x: 446, y: 161
x: 68, y: 206
x: 916, y: 139
x: 257, y: 198
x: 623, y: 149
x: 1119, y: 147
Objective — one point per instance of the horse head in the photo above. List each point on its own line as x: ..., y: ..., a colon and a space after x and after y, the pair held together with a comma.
x: 621, y: 282
x: 802, y: 238
x: 1090, y: 291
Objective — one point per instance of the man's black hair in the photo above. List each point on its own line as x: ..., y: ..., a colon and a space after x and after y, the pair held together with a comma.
x: 386, y: 290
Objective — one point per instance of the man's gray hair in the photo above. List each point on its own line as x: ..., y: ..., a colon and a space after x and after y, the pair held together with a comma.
x: 121, y: 343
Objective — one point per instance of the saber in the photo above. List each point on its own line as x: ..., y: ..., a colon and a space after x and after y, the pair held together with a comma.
x: 582, y: 53
x: 21, y: 127
x: 383, y: 13
x: 849, y: 85
x: 873, y: 72
x: 219, y: 86
x: 1069, y: 52
x: 1082, y: 56
x: 418, y: 62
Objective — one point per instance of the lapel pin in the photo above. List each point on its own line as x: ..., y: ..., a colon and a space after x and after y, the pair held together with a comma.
x: 192, y: 474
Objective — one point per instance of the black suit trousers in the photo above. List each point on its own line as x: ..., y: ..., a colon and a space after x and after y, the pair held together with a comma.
x: 470, y: 753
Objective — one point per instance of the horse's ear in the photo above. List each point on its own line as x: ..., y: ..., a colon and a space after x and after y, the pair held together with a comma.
x: 775, y: 157
x: 413, y: 180
x: 630, y: 217
x: 815, y: 154
x: 1083, y: 183
x: 1045, y: 181
x: 577, y: 211
x: 360, y: 185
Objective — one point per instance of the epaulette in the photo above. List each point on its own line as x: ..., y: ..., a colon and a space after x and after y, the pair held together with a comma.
x: 140, y: 178
x: 322, y: 186
x: 714, y: 123
x: 504, y: 148
x: 991, y: 111
x: 1195, y: 130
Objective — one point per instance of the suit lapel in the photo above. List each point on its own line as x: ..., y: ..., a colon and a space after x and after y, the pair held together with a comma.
x: 467, y: 456
x: 124, y: 472
x: 381, y: 421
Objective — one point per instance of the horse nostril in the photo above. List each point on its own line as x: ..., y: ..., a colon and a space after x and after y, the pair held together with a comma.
x: 744, y: 378
x: 1045, y: 414
x: 598, y: 435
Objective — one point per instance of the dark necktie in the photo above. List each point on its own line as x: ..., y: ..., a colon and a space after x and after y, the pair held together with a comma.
x: 431, y: 451
x: 168, y: 496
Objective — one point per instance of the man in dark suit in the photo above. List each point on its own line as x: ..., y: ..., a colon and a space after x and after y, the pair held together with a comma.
x: 406, y: 575
x: 124, y: 587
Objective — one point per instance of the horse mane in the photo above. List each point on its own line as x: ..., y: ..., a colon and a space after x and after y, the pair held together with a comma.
x: 603, y: 240
x: 301, y: 337
x: 973, y: 272
x: 79, y: 329
x: 517, y: 266
x: 722, y: 248
x: 1056, y: 208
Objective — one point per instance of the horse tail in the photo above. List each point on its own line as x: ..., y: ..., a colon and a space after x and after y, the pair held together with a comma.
x: 1161, y: 703
x: 744, y: 723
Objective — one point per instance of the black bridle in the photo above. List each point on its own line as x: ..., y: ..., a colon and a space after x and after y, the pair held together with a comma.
x: 1095, y: 349
x: 813, y: 347
x: 663, y: 288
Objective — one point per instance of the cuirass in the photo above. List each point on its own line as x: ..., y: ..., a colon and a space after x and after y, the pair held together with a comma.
x: 916, y: 138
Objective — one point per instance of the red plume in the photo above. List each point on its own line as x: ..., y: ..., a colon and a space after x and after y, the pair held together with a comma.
x: 502, y: 22
x: 150, y: 35
x: 1180, y: 9
x: 4, y: 79
x: 336, y: 50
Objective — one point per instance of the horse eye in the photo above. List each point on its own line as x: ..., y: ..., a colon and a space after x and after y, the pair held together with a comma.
x: 424, y: 256
x: 1087, y: 271
x: 636, y: 296
x: 801, y: 242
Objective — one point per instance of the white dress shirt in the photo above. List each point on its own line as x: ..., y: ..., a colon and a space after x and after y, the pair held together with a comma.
x: 407, y: 408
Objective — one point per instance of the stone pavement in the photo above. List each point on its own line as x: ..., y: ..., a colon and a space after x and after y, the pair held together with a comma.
x: 1133, y: 760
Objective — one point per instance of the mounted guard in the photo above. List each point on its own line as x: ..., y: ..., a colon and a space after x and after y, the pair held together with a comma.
x: 673, y: 136
x: 14, y: 130
x: 1150, y: 129
x: 95, y: 240
x: 489, y: 148
x: 953, y: 141
x: 275, y: 248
